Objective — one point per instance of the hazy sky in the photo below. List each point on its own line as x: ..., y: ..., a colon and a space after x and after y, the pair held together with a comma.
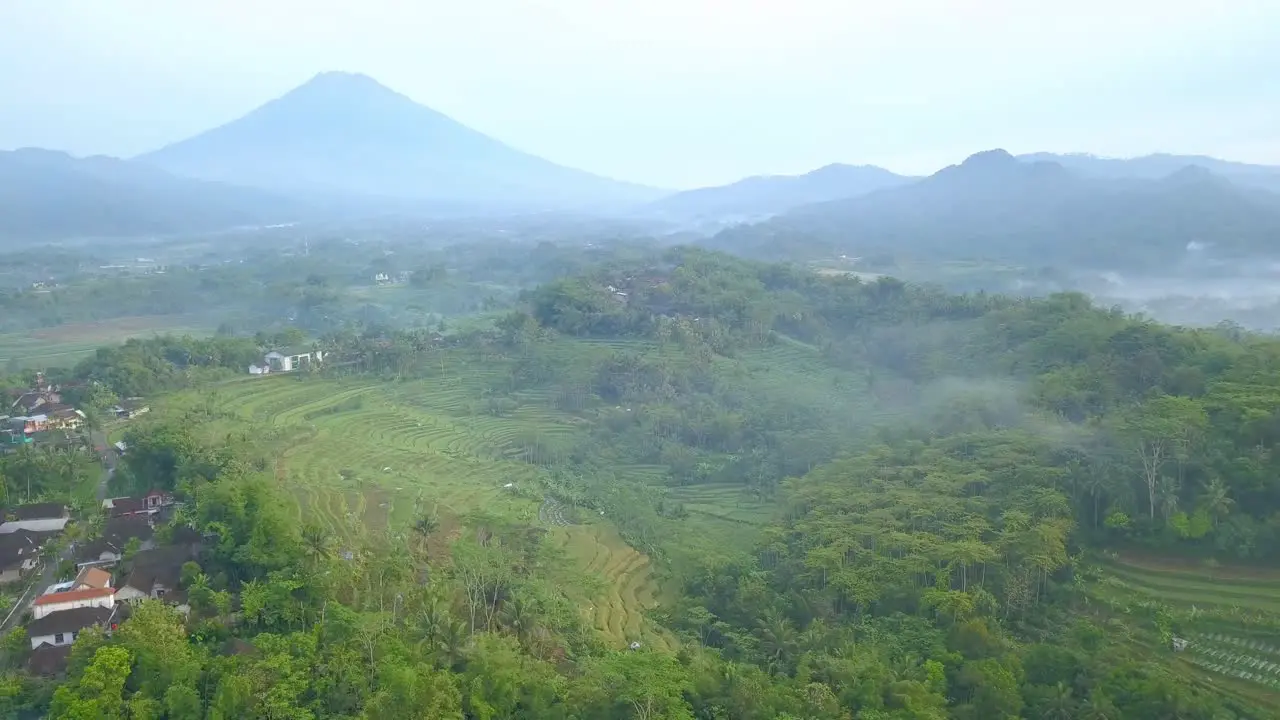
x: 675, y: 93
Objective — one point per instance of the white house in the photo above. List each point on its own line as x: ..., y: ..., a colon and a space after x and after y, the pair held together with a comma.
x: 290, y: 359
x: 73, y: 599
x: 61, y: 628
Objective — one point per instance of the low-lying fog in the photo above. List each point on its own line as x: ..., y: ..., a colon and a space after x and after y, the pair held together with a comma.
x: 1244, y: 293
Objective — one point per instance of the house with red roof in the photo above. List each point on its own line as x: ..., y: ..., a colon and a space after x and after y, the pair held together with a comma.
x: 53, y: 602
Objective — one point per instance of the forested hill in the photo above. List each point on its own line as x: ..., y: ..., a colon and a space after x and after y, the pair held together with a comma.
x: 995, y: 207
x: 929, y: 507
x: 765, y: 195
x: 1006, y: 447
x: 1159, y: 426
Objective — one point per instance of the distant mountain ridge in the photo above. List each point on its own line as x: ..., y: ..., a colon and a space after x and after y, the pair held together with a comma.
x: 997, y: 207
x: 766, y: 195
x: 49, y: 195
x: 344, y: 133
x: 1152, y: 167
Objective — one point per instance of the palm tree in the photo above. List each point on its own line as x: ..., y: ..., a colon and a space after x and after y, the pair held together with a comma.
x: 1216, y: 500
x: 1061, y: 705
x: 432, y: 621
x: 519, y: 616
x: 451, y: 647
x: 317, y: 542
x: 1098, y: 707
x: 777, y: 640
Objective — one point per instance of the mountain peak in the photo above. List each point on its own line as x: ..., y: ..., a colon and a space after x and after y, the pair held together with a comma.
x: 345, y: 133
x: 339, y: 79
x: 341, y: 89
x: 990, y: 159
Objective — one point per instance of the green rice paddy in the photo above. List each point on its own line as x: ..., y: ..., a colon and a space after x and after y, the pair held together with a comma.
x: 370, y: 452
x: 67, y: 344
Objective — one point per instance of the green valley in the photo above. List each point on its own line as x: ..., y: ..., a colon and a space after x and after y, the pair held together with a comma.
x: 681, y: 485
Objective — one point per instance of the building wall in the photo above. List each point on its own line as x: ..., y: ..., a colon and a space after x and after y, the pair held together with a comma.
x: 279, y: 362
x: 37, y: 640
x: 54, y: 640
x: 11, y: 575
x: 39, y: 611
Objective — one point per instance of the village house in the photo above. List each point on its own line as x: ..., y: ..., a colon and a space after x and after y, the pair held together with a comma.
x: 35, y: 401
x: 48, y: 661
x: 61, y: 628
x: 108, y: 548
x: 130, y: 408
x: 19, y: 554
x: 37, y: 517
x: 92, y: 578
x: 12, y: 438
x: 39, y: 511
x: 291, y: 359
x: 149, y: 504
x: 54, y: 602
x: 156, y: 575
x: 28, y: 424
x: 64, y: 417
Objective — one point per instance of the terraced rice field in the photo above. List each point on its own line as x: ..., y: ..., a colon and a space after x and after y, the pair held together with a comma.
x: 379, y: 447
x: 1188, y: 587
x: 363, y: 454
x: 726, y: 502
x: 1237, y: 657
x: 630, y: 585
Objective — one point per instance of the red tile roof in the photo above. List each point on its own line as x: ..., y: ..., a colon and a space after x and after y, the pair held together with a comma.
x: 74, y: 595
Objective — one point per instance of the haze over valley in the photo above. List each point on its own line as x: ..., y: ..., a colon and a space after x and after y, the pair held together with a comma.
x: 639, y: 361
x: 342, y: 147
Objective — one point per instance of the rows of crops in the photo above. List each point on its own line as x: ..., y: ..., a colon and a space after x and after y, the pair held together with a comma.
x: 1239, y: 658
x: 1220, y: 650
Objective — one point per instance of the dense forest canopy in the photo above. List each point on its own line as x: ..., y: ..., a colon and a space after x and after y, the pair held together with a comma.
x: 943, y: 483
